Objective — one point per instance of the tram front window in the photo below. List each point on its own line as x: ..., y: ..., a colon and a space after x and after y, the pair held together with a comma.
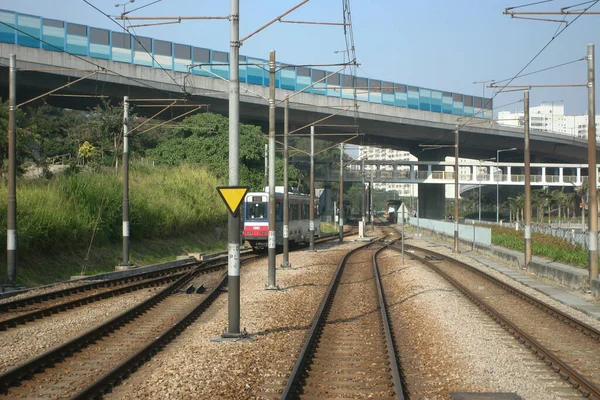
x: 256, y: 211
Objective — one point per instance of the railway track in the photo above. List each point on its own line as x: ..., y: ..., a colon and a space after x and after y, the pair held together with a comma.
x: 349, y: 352
x: 36, y: 307
x: 90, y: 364
x: 570, y: 347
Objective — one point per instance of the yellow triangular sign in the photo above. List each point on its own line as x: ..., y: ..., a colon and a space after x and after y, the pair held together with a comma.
x: 232, y: 196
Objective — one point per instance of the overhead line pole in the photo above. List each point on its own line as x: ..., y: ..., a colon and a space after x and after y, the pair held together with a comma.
x: 455, y: 190
x: 286, y: 205
x: 272, y: 282
x: 341, y: 194
x: 11, y: 233
x: 527, y: 160
x: 233, y: 222
x: 125, y: 262
x: 311, y: 212
x: 592, y: 169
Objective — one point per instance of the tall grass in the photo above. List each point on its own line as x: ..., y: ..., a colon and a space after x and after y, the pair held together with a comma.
x: 61, y: 214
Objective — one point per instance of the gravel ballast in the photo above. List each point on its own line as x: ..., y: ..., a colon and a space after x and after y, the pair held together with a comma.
x: 461, y: 349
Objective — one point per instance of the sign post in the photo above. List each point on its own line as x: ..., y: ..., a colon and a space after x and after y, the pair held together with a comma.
x: 232, y: 197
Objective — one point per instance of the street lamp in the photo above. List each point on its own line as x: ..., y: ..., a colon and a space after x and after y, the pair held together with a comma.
x: 497, y: 182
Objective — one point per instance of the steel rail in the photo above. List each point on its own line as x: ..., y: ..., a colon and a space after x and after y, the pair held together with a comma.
x: 586, y: 329
x: 49, y: 358
x: 318, y: 322
x: 392, y: 353
x: 26, y: 301
x: 578, y: 381
x: 120, y: 372
x: 68, y: 305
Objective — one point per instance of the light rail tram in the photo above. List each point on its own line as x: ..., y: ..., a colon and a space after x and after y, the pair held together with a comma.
x: 256, y: 218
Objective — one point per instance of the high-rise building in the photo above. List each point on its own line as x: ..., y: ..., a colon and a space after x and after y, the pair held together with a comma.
x: 549, y: 117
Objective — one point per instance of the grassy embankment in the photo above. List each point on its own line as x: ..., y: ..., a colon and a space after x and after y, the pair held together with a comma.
x: 545, y: 246
x: 172, y: 211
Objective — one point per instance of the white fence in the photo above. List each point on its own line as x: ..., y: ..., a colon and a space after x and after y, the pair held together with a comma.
x: 468, y: 233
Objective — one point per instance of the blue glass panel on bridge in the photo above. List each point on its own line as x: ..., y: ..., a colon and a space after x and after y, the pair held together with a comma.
x: 334, y: 88
x: 436, y: 101
x: 374, y: 91
x: 425, y: 99
x: 255, y: 72
x: 121, y: 55
x: 182, y: 57
x: 221, y: 59
x: 31, y: 30
x: 288, y: 78
x: 100, y: 43
x: 317, y: 76
x: 53, y: 33
x: 142, y: 58
x: 387, y: 98
x: 362, y: 89
x: 401, y: 97
x: 181, y: 64
x: 7, y: 34
x: 201, y: 59
x: 387, y: 95
x: 278, y: 78
x: 100, y: 51
x: 469, y: 111
x: 77, y: 45
x: 447, y: 103
x: 413, y: 97
x: 243, y: 69
x: 165, y: 62
x: 457, y: 107
x: 303, y: 79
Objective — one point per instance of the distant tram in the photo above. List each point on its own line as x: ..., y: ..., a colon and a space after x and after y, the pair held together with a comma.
x: 256, y: 218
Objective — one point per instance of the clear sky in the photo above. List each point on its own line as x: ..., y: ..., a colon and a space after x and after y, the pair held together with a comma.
x: 440, y: 44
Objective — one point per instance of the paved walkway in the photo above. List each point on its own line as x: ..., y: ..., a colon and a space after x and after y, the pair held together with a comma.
x: 554, y: 290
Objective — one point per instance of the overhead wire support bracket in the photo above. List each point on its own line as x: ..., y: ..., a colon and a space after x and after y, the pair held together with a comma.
x: 278, y: 18
x: 57, y: 89
x: 314, y: 23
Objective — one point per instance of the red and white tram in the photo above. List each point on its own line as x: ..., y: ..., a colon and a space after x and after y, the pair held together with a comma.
x: 256, y: 218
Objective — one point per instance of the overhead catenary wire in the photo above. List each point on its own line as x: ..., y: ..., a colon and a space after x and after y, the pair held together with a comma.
x: 85, y: 59
x: 531, y: 61
x: 135, y: 37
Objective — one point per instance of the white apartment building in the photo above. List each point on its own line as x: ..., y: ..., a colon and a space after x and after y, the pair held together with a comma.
x: 381, y: 154
x: 549, y: 117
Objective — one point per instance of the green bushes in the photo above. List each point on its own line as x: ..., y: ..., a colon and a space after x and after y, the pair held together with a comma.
x: 164, y: 202
x: 545, y: 246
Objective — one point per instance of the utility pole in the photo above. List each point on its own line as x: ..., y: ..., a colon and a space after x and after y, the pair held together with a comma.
x: 592, y: 171
x: 266, y: 164
x: 456, y: 189
x: 341, y: 195
x: 233, y: 221
x: 286, y: 199
x: 125, y: 262
x: 527, y: 160
x: 11, y: 233
x: 272, y: 283
x: 372, y: 207
x: 362, y: 196
x: 311, y: 212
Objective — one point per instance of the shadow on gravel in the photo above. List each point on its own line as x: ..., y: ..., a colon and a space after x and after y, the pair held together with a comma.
x: 304, y: 285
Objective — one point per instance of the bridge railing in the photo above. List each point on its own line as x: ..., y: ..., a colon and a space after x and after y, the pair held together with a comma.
x: 54, y: 35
